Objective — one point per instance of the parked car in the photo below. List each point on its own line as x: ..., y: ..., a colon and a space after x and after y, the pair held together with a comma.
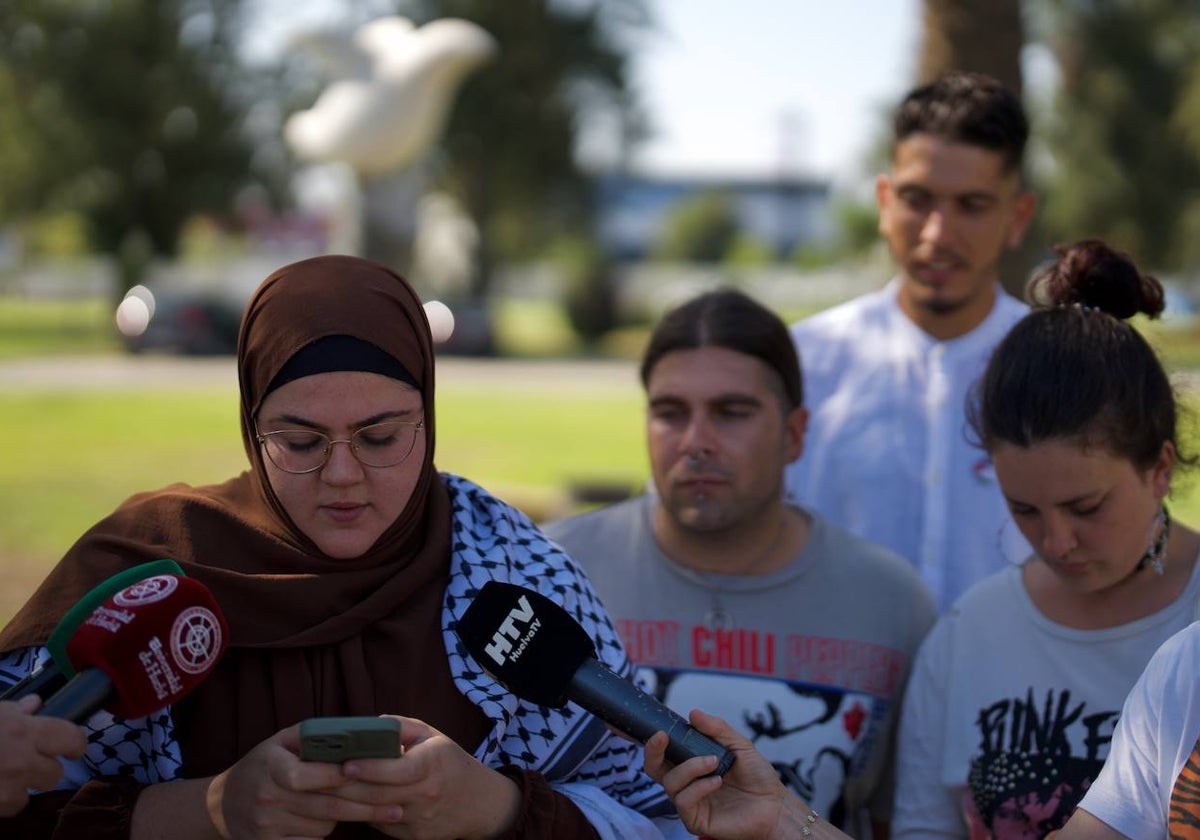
x: 190, y: 309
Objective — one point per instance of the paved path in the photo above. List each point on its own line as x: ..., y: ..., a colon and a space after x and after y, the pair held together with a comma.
x: 70, y: 373
x: 116, y: 372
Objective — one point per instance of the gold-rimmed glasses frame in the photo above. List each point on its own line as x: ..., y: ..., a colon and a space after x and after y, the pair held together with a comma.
x: 303, y: 451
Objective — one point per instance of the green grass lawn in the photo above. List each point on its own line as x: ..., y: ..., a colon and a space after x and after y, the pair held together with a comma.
x: 1179, y: 348
x: 71, y: 458
x: 30, y: 327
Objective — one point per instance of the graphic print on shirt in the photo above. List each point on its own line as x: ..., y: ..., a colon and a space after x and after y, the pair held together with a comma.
x: 1183, y: 815
x: 813, y: 706
x: 1037, y: 757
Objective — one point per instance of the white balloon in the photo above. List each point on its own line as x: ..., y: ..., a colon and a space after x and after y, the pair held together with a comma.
x: 145, y: 294
x: 133, y: 316
x: 441, y: 321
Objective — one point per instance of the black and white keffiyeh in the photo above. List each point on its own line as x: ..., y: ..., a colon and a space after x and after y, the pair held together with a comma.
x: 493, y: 541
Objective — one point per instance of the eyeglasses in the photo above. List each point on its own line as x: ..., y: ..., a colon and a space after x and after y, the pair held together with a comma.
x: 302, y: 451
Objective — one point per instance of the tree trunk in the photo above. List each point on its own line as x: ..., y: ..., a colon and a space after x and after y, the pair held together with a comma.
x: 982, y: 36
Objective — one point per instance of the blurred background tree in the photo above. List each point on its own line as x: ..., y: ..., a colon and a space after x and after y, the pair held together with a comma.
x: 701, y: 229
x: 982, y: 36
x: 1125, y: 128
x: 1119, y: 144
x: 123, y: 119
x: 509, y: 151
x: 588, y: 295
x: 128, y: 113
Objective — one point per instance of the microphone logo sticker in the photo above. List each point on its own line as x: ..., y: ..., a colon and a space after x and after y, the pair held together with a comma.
x: 146, y: 591
x: 110, y: 619
x: 196, y: 639
x: 162, y: 679
x: 502, y: 648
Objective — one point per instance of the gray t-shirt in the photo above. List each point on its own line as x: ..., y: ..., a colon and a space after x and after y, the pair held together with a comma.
x: 809, y: 662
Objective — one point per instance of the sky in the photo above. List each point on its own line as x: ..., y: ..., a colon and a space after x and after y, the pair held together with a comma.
x: 768, y: 87
x: 756, y: 88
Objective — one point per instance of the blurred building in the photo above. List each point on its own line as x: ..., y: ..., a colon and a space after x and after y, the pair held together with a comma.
x: 781, y: 212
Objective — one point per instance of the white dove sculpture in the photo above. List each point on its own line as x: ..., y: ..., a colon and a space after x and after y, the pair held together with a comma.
x: 391, y: 102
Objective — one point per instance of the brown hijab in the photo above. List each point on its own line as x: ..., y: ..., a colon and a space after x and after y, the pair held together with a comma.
x: 310, y: 635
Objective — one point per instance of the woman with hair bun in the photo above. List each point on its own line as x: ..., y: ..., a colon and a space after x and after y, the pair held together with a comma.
x: 1015, y: 694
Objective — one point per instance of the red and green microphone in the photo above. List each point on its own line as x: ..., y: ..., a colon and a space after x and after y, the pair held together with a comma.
x: 54, y: 675
x: 139, y: 641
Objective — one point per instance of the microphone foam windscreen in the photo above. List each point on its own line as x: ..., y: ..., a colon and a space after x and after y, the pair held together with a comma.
x: 527, y: 642
x: 156, y: 640
x: 56, y: 644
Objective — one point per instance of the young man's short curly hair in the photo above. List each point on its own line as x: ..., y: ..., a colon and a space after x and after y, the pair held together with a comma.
x: 967, y: 108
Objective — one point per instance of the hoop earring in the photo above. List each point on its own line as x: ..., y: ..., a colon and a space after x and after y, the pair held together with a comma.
x: 1157, y: 550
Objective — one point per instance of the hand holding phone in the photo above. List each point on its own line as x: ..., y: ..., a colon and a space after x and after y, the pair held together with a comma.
x: 338, y: 739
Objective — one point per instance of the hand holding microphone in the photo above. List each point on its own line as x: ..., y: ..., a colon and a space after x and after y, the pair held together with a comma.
x: 748, y: 803
x: 538, y: 652
x: 33, y: 744
x: 29, y: 751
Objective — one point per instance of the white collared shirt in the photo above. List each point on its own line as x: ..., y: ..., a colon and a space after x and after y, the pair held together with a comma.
x: 887, y: 453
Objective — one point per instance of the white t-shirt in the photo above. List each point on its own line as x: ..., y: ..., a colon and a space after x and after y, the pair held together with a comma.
x: 886, y: 454
x: 1150, y: 786
x: 1008, y: 715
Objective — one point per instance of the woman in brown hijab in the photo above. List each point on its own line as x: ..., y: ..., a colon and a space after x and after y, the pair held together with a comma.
x: 341, y: 570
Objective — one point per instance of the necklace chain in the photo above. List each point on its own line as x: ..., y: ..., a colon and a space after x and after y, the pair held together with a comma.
x: 718, y: 616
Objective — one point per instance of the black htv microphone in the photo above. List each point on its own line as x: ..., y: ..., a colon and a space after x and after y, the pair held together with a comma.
x: 536, y: 650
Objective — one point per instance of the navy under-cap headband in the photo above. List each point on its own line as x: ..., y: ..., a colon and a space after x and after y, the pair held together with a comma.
x: 337, y: 353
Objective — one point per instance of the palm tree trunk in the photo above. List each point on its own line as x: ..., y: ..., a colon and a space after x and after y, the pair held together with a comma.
x: 982, y: 36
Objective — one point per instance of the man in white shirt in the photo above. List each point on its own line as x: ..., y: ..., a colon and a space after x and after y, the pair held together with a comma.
x: 888, y: 374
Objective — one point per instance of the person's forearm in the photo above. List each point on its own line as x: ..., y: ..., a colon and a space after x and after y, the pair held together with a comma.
x: 174, y: 811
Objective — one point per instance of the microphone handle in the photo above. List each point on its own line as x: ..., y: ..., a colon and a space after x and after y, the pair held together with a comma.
x: 82, y: 697
x: 619, y: 702
x: 42, y: 682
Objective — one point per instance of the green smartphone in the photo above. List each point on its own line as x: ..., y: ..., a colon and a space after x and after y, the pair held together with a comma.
x: 338, y: 739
